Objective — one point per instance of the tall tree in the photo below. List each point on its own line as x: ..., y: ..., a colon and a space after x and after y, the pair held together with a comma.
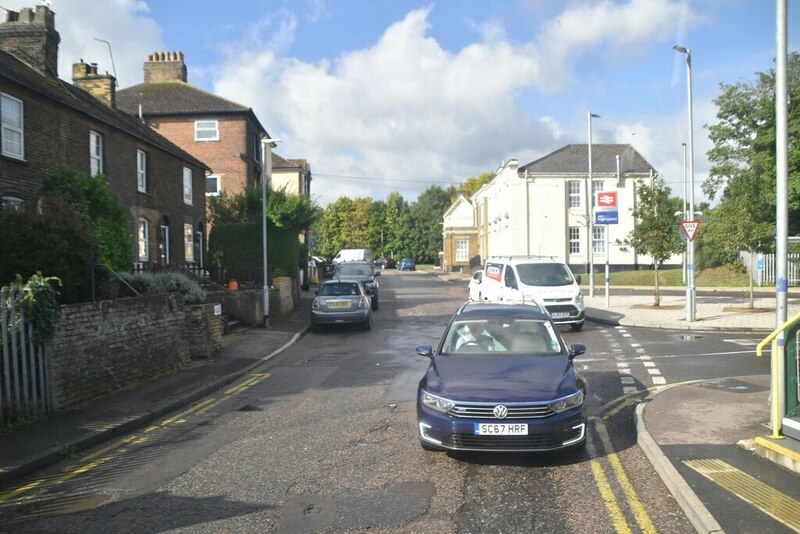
x: 426, y: 216
x: 472, y: 184
x: 655, y: 233
x: 398, y: 224
x: 744, y: 151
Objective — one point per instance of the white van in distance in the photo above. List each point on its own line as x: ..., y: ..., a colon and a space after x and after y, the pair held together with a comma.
x: 545, y: 280
x: 353, y: 254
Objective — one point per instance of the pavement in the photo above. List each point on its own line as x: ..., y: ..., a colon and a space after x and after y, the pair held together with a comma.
x: 47, y: 441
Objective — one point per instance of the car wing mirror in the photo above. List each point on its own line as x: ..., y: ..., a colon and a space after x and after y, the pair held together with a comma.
x: 576, y: 350
x: 376, y: 273
x: 425, y: 350
x: 578, y: 279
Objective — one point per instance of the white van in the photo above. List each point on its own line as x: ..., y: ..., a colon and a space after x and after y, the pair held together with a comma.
x: 545, y: 280
x: 353, y: 254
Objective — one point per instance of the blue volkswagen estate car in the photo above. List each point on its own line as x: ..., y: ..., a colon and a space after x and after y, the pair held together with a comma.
x: 501, y: 379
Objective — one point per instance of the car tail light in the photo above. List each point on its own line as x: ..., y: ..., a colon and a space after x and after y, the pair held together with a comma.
x: 362, y: 303
x: 315, y: 304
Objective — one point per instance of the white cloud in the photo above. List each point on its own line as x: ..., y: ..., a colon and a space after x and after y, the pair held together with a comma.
x: 404, y: 109
x: 405, y: 112
x: 603, y: 28
x: 659, y: 138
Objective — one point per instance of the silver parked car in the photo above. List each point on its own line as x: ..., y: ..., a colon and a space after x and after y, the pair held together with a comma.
x: 341, y: 302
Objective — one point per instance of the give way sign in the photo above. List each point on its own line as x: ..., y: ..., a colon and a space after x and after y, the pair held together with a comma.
x: 690, y: 228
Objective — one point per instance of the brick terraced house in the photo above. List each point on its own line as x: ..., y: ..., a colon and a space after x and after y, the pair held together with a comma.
x: 225, y: 135
x: 47, y: 122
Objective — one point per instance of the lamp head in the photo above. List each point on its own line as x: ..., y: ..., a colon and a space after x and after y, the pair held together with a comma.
x: 681, y: 49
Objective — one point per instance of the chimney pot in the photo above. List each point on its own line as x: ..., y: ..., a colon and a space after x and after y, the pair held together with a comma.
x: 165, y: 67
x: 32, y: 38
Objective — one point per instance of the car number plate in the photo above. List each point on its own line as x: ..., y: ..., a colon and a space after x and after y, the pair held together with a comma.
x: 501, y: 429
x: 339, y: 303
x: 559, y: 315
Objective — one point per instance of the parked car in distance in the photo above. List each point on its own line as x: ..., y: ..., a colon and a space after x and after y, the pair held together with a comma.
x: 501, y: 379
x: 388, y: 263
x: 360, y: 271
x: 407, y: 264
x: 474, y: 287
x: 341, y: 302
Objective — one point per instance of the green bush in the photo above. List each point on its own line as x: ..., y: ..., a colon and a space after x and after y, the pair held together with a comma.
x: 37, y: 298
x: 239, y: 246
x: 166, y: 282
x: 92, y: 198
x: 57, y: 242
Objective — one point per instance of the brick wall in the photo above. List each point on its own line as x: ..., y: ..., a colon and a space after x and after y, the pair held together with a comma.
x: 244, y: 305
x: 231, y: 157
x: 203, y: 330
x: 104, y: 346
x: 56, y: 135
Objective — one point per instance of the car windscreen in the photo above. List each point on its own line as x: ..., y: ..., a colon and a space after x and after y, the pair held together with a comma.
x: 338, y: 290
x: 353, y: 270
x: 502, y: 336
x: 544, y: 274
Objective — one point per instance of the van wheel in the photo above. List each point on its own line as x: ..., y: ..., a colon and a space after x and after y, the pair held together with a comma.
x: 576, y: 326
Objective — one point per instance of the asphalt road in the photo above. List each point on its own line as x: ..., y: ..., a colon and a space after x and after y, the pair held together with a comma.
x: 322, y: 439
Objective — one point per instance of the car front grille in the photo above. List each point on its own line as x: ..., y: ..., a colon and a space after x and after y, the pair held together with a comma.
x: 484, y: 411
x: 530, y: 442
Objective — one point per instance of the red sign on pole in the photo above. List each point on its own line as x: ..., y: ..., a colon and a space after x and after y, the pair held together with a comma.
x: 690, y: 228
x: 606, y: 199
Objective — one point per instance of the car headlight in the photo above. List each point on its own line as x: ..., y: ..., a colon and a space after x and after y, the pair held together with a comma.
x: 437, y: 403
x: 567, y: 403
x: 579, y: 298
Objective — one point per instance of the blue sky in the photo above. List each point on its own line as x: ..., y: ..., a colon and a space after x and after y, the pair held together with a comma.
x: 396, y: 95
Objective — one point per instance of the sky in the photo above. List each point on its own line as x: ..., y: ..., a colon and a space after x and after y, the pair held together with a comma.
x: 398, y: 95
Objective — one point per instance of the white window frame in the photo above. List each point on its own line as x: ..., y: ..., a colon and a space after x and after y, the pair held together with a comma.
x: 165, y: 245
x: 597, y: 185
x: 599, y: 239
x: 8, y: 127
x: 143, y: 240
x: 573, y: 194
x: 206, y: 130
x: 187, y: 186
x: 95, y: 153
x: 574, y: 234
x: 141, y: 171
x: 188, y: 243
x: 462, y: 249
x: 213, y: 193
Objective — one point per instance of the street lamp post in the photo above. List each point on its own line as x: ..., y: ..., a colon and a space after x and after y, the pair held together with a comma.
x: 266, y: 155
x: 589, y: 226
x: 684, y: 206
x: 690, y: 287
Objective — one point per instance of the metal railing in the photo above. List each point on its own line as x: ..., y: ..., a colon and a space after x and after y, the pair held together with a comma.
x: 763, y: 272
x: 24, y: 389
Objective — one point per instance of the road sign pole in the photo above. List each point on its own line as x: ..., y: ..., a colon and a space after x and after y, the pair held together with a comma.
x: 608, y: 280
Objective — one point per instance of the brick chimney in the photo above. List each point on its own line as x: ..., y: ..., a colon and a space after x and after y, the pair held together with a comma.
x: 165, y: 67
x: 32, y: 37
x: 100, y: 86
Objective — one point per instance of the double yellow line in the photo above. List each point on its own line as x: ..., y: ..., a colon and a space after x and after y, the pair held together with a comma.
x: 99, y: 457
x: 607, y: 494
